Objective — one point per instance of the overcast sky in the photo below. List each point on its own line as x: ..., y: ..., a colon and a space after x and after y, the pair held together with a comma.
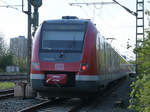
x: 111, y: 20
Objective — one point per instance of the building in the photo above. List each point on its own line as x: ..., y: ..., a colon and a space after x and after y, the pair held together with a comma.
x: 18, y: 46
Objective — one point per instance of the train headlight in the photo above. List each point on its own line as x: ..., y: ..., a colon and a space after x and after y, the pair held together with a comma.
x: 36, y: 66
x: 84, y: 67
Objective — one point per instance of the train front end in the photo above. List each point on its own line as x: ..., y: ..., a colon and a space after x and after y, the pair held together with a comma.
x: 60, y: 65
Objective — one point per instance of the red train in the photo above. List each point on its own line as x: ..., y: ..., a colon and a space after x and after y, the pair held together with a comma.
x: 71, y: 58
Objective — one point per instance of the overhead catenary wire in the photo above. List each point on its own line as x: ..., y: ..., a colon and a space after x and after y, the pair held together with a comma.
x: 12, y: 5
x: 91, y: 9
x: 88, y: 4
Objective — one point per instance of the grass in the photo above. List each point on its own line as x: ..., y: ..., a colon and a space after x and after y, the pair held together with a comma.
x: 6, y: 85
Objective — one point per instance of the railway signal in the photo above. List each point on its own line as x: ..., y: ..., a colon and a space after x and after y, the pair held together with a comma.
x: 31, y: 21
x: 36, y: 3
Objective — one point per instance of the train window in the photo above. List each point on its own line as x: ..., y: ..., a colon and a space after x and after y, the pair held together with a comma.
x: 62, y: 37
x: 62, y: 40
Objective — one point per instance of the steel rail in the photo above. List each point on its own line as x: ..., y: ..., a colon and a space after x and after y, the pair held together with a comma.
x: 40, y: 105
x: 35, y: 107
x: 12, y: 77
x: 6, y: 93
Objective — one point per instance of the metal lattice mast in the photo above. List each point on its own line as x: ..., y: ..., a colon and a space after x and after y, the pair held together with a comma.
x: 139, y: 26
x: 140, y: 20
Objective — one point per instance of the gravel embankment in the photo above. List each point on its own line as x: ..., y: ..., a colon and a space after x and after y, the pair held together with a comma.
x: 14, y: 104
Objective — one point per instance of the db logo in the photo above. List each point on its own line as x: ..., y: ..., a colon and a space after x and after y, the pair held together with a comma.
x: 56, y: 78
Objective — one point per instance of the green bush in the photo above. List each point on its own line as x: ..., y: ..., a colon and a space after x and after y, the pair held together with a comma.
x: 21, y: 63
x: 6, y: 60
x: 1, y: 70
x: 140, y: 94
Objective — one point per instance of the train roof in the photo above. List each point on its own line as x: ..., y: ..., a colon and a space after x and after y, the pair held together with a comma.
x: 68, y: 21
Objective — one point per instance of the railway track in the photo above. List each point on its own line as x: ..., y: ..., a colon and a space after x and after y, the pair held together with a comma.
x: 72, y: 106
x: 44, y: 104
x: 12, y: 77
x: 53, y: 105
x: 6, y: 93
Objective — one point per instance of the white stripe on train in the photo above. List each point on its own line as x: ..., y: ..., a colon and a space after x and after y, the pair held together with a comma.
x: 86, y: 77
x: 78, y: 77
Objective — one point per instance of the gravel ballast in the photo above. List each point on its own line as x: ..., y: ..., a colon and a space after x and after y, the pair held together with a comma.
x: 15, y: 104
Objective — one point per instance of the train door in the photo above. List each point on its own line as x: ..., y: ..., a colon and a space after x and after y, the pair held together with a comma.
x: 98, y: 53
x: 110, y: 61
x: 104, y: 56
x: 101, y: 61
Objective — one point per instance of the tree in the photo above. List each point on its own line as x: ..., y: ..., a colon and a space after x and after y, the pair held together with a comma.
x: 6, y: 58
x: 140, y: 94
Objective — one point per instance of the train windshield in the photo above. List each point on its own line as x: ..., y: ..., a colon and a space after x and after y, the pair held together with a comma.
x: 63, y: 37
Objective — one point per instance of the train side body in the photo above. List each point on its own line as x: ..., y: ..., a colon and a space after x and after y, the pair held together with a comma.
x: 71, y: 58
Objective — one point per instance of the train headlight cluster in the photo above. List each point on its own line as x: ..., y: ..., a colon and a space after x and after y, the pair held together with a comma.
x: 36, y: 66
x: 84, y: 67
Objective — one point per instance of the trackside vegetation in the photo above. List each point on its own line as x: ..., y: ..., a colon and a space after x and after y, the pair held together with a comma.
x: 140, y: 94
x: 6, y: 85
x: 7, y: 58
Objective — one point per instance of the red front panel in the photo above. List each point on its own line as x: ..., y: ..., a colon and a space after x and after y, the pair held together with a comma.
x: 68, y: 67
x: 89, y: 51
